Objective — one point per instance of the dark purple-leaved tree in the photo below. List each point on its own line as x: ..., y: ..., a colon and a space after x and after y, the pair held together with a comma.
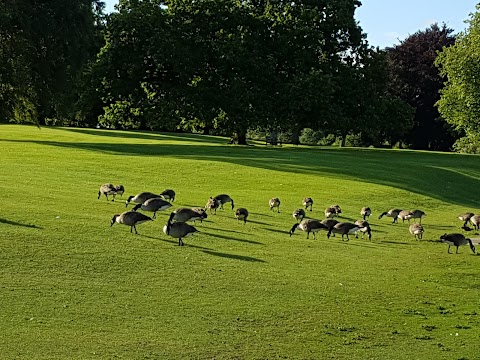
x: 415, y: 79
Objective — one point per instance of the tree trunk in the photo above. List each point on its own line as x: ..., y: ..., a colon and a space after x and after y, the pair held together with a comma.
x: 241, y: 137
x: 344, y: 140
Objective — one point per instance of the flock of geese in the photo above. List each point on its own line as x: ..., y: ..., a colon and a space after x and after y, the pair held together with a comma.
x: 178, y: 228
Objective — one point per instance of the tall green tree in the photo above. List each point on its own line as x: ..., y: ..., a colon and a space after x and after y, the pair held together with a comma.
x: 415, y: 79
x: 46, y: 45
x: 460, y: 98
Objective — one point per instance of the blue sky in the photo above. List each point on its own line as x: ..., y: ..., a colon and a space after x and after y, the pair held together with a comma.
x: 387, y: 21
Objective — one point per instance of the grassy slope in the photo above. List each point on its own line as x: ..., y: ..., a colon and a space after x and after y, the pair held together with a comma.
x: 72, y: 287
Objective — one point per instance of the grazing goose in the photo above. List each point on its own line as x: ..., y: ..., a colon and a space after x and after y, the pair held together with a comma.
x: 337, y: 208
x: 416, y: 230
x: 475, y: 220
x: 178, y: 230
x: 343, y: 228
x: 130, y: 218
x: 223, y: 199
x: 330, y: 212
x: 329, y: 223
x: 120, y: 189
x: 393, y: 213
x: 310, y: 226
x: 242, y: 214
x: 299, y: 214
x: 405, y: 215
x: 465, y: 217
x: 365, y: 212
x: 211, y: 205
x: 168, y: 194
x: 308, y: 201
x: 418, y: 214
x: 140, y: 198
x: 363, y: 227
x: 107, y: 189
x: 153, y: 205
x: 274, y: 203
x: 456, y: 240
x: 186, y: 214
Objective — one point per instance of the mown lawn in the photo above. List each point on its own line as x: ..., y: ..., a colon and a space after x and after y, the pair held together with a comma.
x: 72, y: 287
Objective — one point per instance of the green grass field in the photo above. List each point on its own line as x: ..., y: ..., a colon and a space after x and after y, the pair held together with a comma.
x: 72, y: 287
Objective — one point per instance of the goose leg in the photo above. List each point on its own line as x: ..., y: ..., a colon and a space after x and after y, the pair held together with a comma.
x: 314, y: 236
x: 308, y: 234
x: 131, y: 228
x: 456, y: 251
x: 448, y: 250
x: 114, y: 197
x: 135, y: 229
x: 154, y: 215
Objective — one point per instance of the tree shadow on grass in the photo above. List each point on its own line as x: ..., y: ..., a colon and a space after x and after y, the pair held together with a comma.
x: 15, y: 223
x: 432, y: 174
x: 233, y: 256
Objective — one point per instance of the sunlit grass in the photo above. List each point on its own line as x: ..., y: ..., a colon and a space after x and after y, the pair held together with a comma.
x: 74, y: 287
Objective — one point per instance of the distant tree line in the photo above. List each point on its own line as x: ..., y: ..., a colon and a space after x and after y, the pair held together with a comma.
x: 231, y: 68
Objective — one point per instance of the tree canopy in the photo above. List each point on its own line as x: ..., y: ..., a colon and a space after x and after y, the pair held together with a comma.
x: 460, y: 98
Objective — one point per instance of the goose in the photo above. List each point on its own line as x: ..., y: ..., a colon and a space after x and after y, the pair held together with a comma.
x: 310, y: 226
x: 107, y: 189
x: 308, y: 201
x: 223, y: 199
x: 337, y: 208
x: 365, y: 212
x: 187, y: 214
x: 456, y: 240
x: 475, y: 220
x: 299, y: 214
x: 329, y: 223
x: 416, y: 230
x: 330, y: 212
x: 168, y: 194
x: 241, y: 214
x: 363, y: 227
x: 274, y: 203
x: 140, y: 198
x: 405, y: 215
x: 393, y: 213
x: 343, y: 228
x: 153, y: 205
x: 120, y: 189
x: 178, y: 229
x: 465, y: 217
x: 130, y: 218
x: 418, y: 214
x: 211, y: 205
